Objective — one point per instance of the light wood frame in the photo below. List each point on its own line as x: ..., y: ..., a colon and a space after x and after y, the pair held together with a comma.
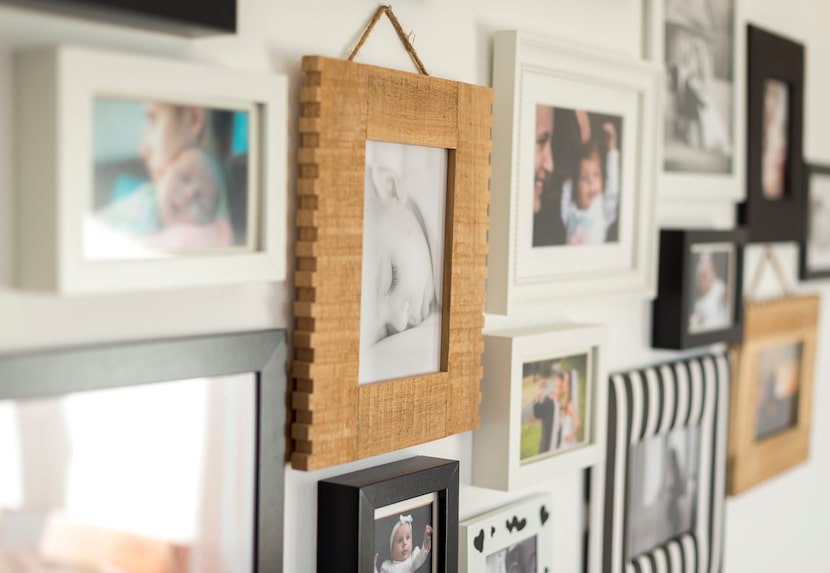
x: 655, y: 401
x: 344, y: 104
x: 55, y: 91
x: 497, y: 460
x: 751, y: 460
x: 531, y: 70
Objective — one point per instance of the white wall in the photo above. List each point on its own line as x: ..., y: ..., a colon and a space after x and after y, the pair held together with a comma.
x: 774, y: 527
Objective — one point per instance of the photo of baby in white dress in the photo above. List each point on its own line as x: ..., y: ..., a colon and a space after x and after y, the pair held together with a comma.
x: 403, y: 261
x: 712, y: 287
x: 404, y: 535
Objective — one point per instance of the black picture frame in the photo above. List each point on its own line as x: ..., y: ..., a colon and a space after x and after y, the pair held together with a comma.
x: 346, y: 511
x: 773, y: 57
x: 39, y: 374
x: 671, y: 314
x: 181, y: 17
x: 806, y: 272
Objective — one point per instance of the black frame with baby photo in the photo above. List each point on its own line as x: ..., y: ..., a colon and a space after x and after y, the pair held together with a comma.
x: 773, y: 58
x: 814, y: 255
x: 347, y: 507
x: 654, y: 403
x: 681, y: 252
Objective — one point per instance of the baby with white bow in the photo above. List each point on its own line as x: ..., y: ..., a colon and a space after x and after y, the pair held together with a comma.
x: 405, y: 559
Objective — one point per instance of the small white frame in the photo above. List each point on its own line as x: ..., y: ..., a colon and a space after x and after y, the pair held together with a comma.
x: 55, y: 90
x: 529, y: 70
x: 496, y: 444
x: 707, y: 187
x: 483, y: 535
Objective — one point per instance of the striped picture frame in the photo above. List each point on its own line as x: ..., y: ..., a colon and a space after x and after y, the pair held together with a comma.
x: 651, y: 402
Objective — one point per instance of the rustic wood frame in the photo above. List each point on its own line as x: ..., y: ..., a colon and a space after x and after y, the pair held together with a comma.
x: 752, y: 461
x: 336, y: 420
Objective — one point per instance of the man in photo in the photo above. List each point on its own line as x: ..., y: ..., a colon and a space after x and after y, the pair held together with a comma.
x: 546, y: 408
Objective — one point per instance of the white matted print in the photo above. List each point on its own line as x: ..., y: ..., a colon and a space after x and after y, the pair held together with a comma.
x: 712, y: 288
x: 575, y: 147
x: 513, y: 539
x: 404, y: 532
x: 775, y: 143
x: 403, y: 261
x: 543, y: 405
x: 171, y: 178
x: 817, y: 245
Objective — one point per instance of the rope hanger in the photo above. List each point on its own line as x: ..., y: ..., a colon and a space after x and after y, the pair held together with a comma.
x: 401, y: 34
x: 769, y: 258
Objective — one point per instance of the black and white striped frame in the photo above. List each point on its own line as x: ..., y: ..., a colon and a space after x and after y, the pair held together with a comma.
x: 653, y: 401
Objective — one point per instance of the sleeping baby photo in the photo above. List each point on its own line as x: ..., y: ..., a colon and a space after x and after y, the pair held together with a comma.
x: 403, y: 260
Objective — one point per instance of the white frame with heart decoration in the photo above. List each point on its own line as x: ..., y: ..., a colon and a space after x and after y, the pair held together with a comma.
x: 507, y: 531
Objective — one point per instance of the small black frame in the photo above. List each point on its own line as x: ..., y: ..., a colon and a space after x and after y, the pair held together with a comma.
x: 39, y: 374
x: 671, y: 309
x: 181, y: 17
x: 772, y: 57
x: 805, y: 272
x: 346, y: 511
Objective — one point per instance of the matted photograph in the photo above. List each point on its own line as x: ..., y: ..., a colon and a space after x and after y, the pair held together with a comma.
x: 711, y: 307
x: 700, y: 74
x: 779, y: 376
x: 403, y: 536
x: 554, y: 394
x: 814, y: 252
x: 170, y: 179
x: 662, y: 489
x: 403, y: 261
x: 576, y: 193
x: 774, y: 144
x: 517, y: 558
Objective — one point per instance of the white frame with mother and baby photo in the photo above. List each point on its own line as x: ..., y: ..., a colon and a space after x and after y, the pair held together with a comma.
x: 57, y: 90
x: 498, y: 460
x: 602, y: 90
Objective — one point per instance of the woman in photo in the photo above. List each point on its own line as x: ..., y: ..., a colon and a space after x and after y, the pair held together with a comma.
x: 568, y: 400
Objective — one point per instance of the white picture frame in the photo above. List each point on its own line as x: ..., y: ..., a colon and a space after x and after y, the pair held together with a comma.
x: 529, y: 71
x: 702, y: 186
x: 497, y: 532
x: 498, y: 443
x: 56, y: 90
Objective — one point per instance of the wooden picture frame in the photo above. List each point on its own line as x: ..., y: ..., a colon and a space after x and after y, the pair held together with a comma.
x: 352, y: 507
x: 184, y: 17
x: 779, y: 339
x: 813, y: 257
x: 549, y: 244
x: 683, y: 316
x: 519, y: 533
x: 686, y: 399
x: 42, y: 374
x: 526, y: 367
x: 773, y: 210
x: 344, y: 106
x: 703, y: 156
x: 140, y: 237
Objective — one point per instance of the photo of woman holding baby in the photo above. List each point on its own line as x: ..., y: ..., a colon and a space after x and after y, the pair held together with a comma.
x: 170, y: 179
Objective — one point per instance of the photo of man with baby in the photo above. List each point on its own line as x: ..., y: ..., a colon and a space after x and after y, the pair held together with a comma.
x: 577, y: 162
x: 169, y: 178
x: 517, y: 558
x: 712, y: 287
x: 403, y: 539
x: 699, y: 86
x: 554, y: 398
x: 779, y: 378
x: 662, y: 490
x: 403, y: 261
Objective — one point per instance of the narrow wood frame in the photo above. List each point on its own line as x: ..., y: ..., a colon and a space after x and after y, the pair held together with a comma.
x: 653, y: 401
x: 773, y: 57
x: 670, y: 310
x: 39, y: 374
x: 481, y: 536
x: 346, y: 511
x: 751, y: 461
x: 811, y: 171
x: 336, y: 420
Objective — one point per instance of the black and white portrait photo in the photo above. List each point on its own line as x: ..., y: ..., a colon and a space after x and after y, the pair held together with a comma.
x: 712, y: 287
x: 517, y: 558
x: 779, y: 378
x: 577, y: 162
x: 662, y: 489
x: 403, y: 261
x: 699, y: 86
x: 404, y: 536
x: 818, y: 240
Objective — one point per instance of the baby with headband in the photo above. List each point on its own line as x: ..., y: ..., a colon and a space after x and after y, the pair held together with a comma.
x: 405, y: 559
